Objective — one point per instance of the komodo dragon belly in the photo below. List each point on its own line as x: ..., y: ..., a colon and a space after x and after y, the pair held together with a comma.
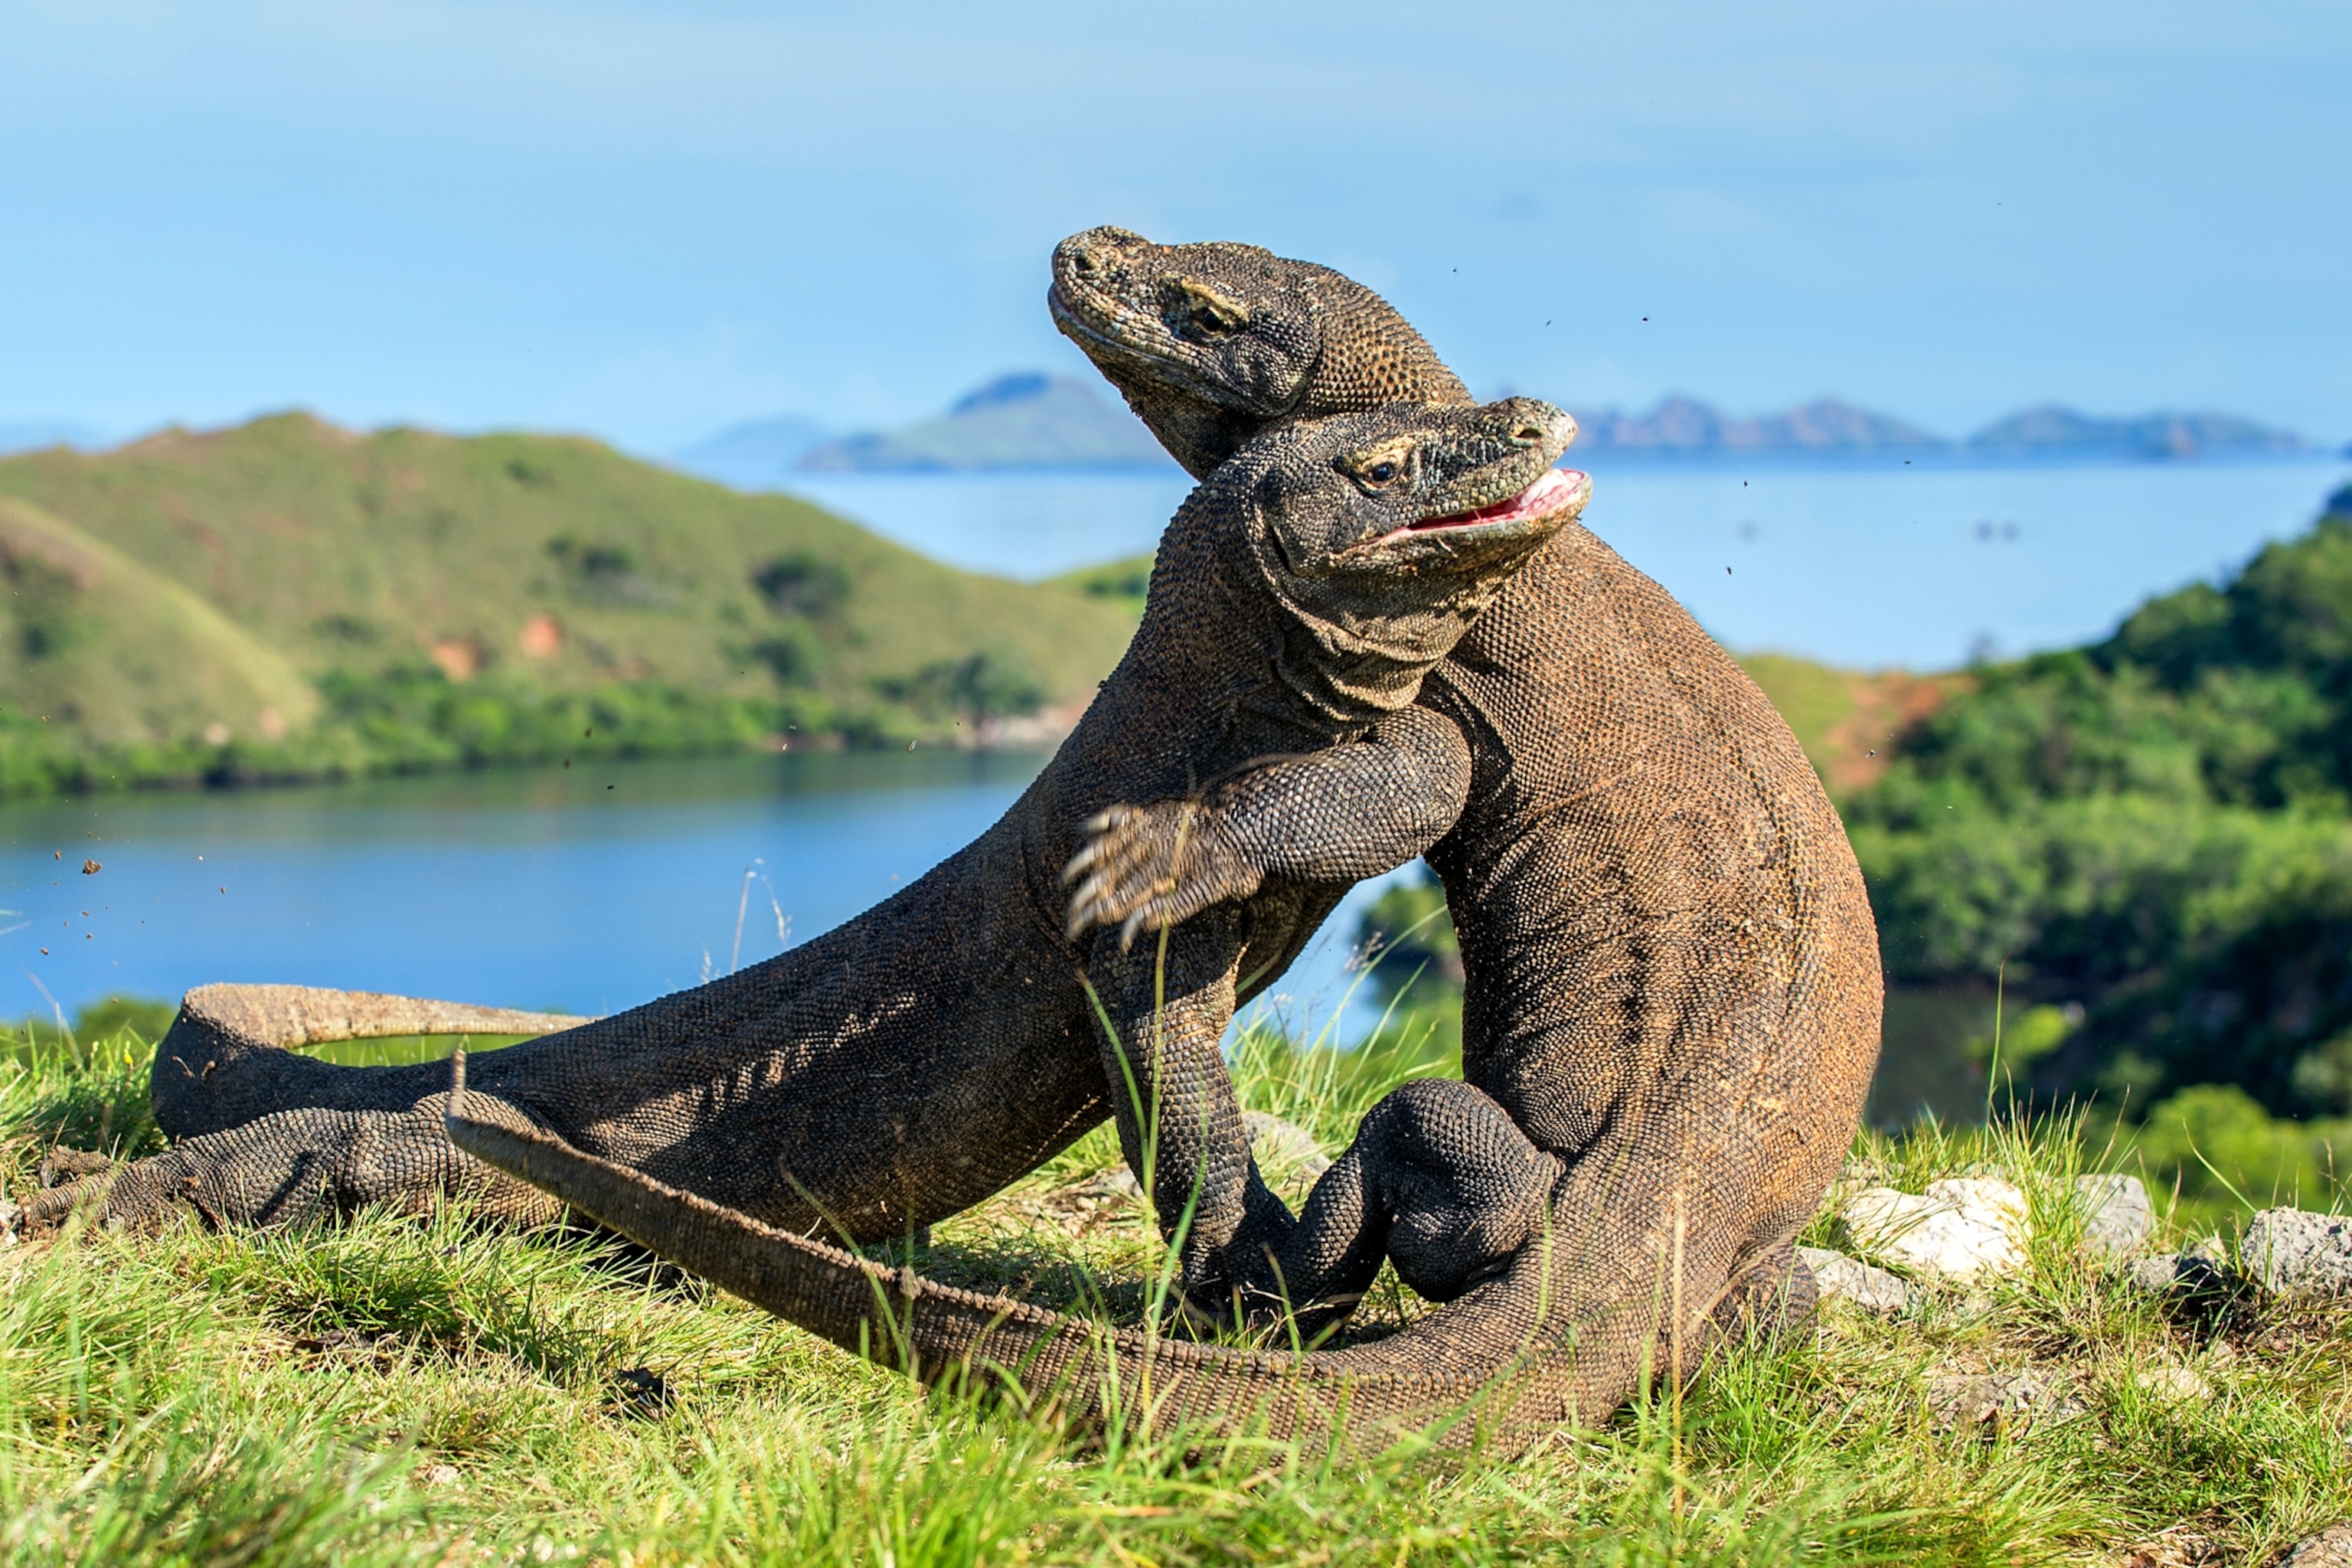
x: 1654, y: 898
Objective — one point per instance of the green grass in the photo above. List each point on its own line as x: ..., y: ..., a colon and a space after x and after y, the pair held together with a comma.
x: 402, y: 1392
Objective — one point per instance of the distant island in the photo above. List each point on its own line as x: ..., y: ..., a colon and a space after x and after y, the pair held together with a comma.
x: 1031, y: 419
x: 39, y: 435
x: 1826, y: 428
x: 755, y: 454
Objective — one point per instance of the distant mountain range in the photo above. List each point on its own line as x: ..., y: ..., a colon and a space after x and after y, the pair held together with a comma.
x: 754, y: 456
x: 1827, y: 428
x: 1025, y: 420
x: 2051, y: 429
x: 1033, y: 420
x: 40, y: 435
x: 1685, y: 425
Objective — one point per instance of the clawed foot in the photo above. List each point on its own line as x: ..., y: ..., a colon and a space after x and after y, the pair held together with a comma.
x: 1146, y: 867
x: 71, y: 1180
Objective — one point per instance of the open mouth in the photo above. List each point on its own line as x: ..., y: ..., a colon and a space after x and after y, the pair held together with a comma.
x: 1559, y: 490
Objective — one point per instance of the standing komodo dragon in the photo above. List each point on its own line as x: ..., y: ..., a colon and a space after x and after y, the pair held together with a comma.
x: 912, y: 1061
x: 1672, y: 972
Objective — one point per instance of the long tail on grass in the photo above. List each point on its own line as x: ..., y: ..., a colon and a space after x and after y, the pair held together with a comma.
x: 1509, y: 1361
x: 205, y: 1079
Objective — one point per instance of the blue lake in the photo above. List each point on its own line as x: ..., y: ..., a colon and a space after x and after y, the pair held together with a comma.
x: 533, y: 888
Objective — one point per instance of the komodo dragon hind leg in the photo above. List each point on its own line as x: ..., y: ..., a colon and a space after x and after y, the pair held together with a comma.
x: 1764, y: 1305
x: 231, y: 1055
x: 262, y: 1134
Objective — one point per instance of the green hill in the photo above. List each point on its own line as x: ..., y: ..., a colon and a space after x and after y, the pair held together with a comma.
x: 120, y: 654
x: 316, y: 601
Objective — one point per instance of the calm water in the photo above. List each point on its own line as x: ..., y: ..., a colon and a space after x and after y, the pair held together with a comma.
x: 542, y: 888
x: 1864, y: 566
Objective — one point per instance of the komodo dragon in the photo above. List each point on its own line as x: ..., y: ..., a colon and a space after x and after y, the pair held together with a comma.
x: 908, y: 1064
x: 1672, y: 971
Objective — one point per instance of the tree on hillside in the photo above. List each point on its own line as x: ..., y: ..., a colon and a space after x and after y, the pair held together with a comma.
x: 2157, y: 828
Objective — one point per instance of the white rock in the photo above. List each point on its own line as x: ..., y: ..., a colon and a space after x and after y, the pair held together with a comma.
x: 1961, y: 1228
x: 2117, y: 1217
x: 1842, y: 1278
x: 2299, y: 1252
x: 2331, y: 1548
x: 1276, y: 1141
x: 2172, y: 1382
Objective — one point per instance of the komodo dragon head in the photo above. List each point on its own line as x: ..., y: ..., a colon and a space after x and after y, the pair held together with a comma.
x: 1213, y: 344
x: 1344, y: 557
x: 1385, y: 532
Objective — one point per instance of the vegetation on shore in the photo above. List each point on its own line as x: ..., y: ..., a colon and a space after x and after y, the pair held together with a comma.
x: 2149, y: 839
x: 287, y: 600
x: 2144, y: 843
x: 400, y: 1391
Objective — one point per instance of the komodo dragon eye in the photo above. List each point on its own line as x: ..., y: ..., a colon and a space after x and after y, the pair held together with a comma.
x: 1382, y: 466
x: 1205, y: 310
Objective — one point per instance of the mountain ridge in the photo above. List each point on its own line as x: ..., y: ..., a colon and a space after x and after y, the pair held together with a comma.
x: 1034, y: 419
x: 1019, y: 420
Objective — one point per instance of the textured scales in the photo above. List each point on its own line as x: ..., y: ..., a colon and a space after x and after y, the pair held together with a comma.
x: 1501, y: 1363
x: 1672, y: 971
x: 910, y: 1063
x: 1674, y: 990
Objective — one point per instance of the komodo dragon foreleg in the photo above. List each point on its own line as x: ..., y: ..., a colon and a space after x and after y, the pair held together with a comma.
x: 1329, y: 817
x: 1337, y: 816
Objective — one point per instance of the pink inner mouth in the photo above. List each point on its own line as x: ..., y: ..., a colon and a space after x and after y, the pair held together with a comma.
x: 1557, y: 488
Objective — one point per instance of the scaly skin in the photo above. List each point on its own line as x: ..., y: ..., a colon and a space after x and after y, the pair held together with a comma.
x: 1542, y: 1338
x: 908, y: 1064
x: 1672, y: 971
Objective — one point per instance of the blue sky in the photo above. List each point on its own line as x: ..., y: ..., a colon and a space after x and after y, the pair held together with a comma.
x: 649, y: 221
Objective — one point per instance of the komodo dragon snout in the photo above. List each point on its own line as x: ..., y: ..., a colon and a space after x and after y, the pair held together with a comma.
x: 1429, y: 492
x: 1248, y: 334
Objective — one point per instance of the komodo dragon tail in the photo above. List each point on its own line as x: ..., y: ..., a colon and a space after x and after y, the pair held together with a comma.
x: 1502, y: 1363
x: 206, y: 1079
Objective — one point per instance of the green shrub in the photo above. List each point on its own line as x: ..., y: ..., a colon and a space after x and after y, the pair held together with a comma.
x: 2157, y: 830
